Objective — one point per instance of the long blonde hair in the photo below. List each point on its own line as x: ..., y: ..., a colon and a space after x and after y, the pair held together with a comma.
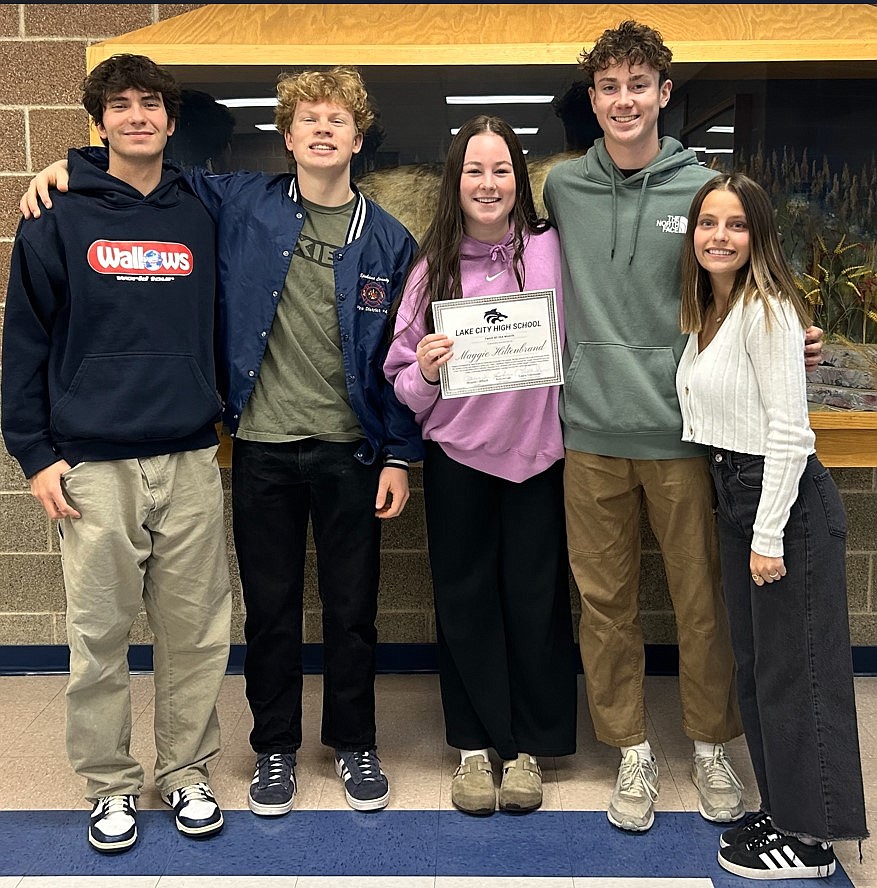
x: 767, y: 273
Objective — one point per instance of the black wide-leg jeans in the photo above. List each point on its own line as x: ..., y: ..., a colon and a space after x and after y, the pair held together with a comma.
x: 276, y: 487
x: 792, y: 645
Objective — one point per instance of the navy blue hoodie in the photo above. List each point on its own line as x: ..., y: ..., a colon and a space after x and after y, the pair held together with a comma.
x: 108, y: 334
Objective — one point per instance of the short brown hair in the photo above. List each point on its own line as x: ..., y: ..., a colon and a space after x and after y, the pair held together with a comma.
x: 340, y: 85
x: 630, y: 42
x: 125, y: 71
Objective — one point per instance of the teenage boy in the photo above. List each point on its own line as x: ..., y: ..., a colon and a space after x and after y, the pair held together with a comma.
x: 308, y: 268
x: 110, y: 406
x: 621, y: 211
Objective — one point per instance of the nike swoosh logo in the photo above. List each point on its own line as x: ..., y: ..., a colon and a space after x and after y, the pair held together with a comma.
x: 493, y: 277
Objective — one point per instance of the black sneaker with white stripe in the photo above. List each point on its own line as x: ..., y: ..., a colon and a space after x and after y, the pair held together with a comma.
x: 112, y: 826
x: 773, y: 855
x: 753, y: 825
x: 365, y: 784
x: 272, y: 789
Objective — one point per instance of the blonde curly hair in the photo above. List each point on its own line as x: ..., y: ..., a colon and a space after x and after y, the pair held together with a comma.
x: 341, y: 85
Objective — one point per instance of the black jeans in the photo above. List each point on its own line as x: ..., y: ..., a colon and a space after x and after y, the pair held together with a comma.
x: 275, y: 488
x: 792, y: 644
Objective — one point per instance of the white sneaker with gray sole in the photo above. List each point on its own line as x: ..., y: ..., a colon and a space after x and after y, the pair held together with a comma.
x: 632, y: 805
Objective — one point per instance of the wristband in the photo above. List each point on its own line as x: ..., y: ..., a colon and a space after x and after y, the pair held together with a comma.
x: 437, y: 382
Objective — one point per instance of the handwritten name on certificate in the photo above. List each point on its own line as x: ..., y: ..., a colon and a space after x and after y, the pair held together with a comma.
x: 501, y: 343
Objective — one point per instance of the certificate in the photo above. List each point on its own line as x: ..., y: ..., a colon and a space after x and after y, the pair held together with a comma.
x: 501, y: 343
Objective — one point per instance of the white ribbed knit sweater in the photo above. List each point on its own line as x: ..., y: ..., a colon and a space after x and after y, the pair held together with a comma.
x: 746, y: 392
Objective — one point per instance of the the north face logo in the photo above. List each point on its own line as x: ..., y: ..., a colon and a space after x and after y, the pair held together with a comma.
x: 154, y: 257
x: 673, y: 224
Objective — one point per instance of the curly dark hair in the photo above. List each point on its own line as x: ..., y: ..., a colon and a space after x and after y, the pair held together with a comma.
x: 126, y: 71
x: 630, y: 42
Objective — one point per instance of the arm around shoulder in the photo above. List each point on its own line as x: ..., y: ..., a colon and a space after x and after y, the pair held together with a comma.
x: 38, y: 193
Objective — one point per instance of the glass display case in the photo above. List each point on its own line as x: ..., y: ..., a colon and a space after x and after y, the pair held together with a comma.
x: 784, y: 92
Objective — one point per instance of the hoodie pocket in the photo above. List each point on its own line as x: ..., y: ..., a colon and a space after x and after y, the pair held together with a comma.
x: 622, y: 389
x: 131, y: 397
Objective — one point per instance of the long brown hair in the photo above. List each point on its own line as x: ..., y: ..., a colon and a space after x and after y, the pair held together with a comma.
x: 437, y: 262
x: 766, y: 274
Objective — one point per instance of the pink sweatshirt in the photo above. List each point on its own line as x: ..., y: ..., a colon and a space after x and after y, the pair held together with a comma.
x: 512, y: 435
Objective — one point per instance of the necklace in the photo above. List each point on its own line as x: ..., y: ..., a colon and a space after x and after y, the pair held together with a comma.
x: 719, y: 317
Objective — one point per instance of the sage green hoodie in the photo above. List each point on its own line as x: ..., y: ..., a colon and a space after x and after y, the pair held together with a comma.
x: 622, y: 246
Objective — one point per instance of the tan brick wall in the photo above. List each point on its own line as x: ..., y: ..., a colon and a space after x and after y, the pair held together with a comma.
x: 10, y: 20
x: 12, y: 153
x: 52, y: 131
x: 89, y: 21
x: 42, y: 60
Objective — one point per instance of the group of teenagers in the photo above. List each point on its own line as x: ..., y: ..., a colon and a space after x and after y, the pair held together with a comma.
x: 145, y: 302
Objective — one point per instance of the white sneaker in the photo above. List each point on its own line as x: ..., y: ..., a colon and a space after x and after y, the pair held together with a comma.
x: 196, y: 811
x: 113, y: 826
x: 719, y: 788
x: 632, y: 805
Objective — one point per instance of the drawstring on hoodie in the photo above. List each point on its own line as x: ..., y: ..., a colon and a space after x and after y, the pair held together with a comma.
x: 614, y: 213
x: 482, y: 252
x: 500, y: 251
x: 636, y: 218
x: 599, y: 172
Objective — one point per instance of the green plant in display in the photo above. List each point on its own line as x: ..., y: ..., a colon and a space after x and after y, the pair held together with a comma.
x: 841, y: 291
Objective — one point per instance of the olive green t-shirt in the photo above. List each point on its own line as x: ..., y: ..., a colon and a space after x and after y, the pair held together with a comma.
x: 301, y: 390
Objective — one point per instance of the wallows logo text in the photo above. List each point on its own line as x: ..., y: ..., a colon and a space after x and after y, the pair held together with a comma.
x: 154, y: 257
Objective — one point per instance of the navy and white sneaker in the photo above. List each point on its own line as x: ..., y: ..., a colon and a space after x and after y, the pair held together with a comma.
x: 196, y: 811
x: 365, y: 784
x: 272, y: 789
x: 774, y: 855
x: 112, y: 826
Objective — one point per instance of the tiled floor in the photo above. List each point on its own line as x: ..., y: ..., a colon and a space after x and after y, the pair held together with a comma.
x: 418, y: 841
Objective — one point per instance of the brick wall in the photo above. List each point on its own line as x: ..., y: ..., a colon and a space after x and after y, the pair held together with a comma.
x: 42, y: 59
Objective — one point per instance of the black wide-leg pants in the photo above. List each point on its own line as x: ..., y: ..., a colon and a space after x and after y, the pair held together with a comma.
x: 507, y: 658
